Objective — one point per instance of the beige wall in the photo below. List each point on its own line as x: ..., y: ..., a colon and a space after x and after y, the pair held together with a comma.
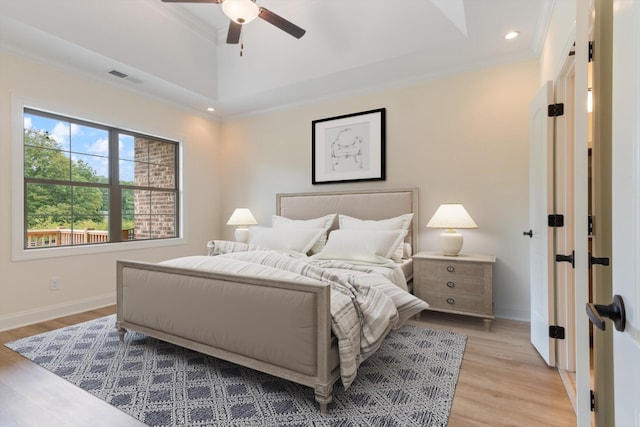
x: 458, y: 139
x: 89, y: 280
x: 463, y: 138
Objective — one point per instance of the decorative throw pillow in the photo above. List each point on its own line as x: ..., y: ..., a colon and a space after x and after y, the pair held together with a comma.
x: 288, y: 239
x: 324, y: 222
x: 372, y: 246
x: 402, y: 222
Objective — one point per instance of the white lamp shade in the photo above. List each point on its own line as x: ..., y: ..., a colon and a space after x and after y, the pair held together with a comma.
x: 240, y: 11
x: 451, y: 216
x: 242, y: 217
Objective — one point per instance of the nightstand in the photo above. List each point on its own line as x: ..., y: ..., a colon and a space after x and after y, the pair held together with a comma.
x: 460, y: 284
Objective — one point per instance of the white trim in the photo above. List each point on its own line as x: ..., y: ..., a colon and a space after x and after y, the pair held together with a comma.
x: 18, y: 252
x: 30, y: 317
x: 564, y: 153
x: 581, y: 208
x: 542, y: 27
x: 635, y: 225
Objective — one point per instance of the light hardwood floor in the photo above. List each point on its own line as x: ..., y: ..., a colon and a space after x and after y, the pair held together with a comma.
x: 503, y: 381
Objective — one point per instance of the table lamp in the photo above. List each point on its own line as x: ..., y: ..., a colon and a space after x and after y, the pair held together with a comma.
x: 242, y: 217
x: 451, y: 216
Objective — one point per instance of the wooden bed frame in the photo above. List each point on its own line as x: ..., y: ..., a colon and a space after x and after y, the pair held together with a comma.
x: 280, y: 327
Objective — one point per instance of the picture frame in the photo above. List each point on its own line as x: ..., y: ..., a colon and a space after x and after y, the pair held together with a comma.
x: 349, y: 148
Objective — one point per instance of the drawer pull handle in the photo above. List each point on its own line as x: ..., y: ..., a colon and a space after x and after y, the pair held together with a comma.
x: 450, y: 300
x: 450, y: 268
x: 450, y: 284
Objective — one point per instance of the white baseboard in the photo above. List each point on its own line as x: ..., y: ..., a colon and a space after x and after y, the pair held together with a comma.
x: 17, y: 320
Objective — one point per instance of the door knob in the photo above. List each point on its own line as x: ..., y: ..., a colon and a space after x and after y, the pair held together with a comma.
x: 528, y: 233
x: 614, y: 311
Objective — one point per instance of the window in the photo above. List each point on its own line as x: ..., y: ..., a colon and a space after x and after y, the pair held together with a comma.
x: 86, y: 183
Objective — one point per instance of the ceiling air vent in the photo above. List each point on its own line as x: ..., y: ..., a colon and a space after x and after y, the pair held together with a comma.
x: 118, y: 74
x: 124, y: 76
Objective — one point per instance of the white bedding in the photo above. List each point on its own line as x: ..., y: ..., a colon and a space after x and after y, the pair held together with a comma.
x: 367, y: 301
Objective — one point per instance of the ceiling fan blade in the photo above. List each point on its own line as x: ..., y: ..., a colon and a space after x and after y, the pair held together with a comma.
x: 280, y: 22
x: 233, y: 36
x: 191, y: 1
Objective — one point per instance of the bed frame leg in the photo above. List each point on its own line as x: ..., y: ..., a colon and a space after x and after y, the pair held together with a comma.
x: 121, y: 331
x: 324, y: 395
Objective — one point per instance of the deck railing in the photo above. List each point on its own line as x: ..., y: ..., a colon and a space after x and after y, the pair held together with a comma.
x: 68, y: 237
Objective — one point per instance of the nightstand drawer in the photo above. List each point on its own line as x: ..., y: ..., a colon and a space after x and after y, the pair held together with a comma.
x: 462, y: 303
x: 454, y: 285
x: 447, y: 269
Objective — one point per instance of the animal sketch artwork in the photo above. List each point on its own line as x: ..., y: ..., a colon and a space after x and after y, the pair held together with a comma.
x: 348, y: 148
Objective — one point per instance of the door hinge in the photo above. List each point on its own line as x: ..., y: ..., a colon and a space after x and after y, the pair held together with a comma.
x: 556, y: 332
x: 590, y: 225
x: 567, y: 258
x: 556, y: 220
x: 555, y: 110
x: 599, y: 261
x: 590, y: 51
x: 592, y: 398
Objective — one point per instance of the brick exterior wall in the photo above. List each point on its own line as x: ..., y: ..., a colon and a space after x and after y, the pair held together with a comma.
x: 155, y: 211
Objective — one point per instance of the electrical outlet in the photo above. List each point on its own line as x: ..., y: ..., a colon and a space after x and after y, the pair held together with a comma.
x: 55, y: 283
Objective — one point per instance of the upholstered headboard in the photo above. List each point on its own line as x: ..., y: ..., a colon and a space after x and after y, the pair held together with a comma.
x: 363, y: 204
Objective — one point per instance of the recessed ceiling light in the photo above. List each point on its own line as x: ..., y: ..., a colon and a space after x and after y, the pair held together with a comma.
x: 511, y: 35
x: 211, y: 109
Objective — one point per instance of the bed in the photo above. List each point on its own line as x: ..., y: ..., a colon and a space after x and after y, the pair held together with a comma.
x: 285, y: 324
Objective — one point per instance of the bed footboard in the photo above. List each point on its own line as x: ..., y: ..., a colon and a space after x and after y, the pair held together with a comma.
x: 280, y: 327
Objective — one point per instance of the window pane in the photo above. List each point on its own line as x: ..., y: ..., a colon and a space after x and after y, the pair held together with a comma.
x: 86, y: 168
x: 141, y: 149
x: 54, y: 130
x: 163, y: 202
x: 142, y: 202
x: 89, y: 140
x: 162, y: 153
x: 163, y: 226
x: 126, y: 148
x: 162, y: 176
x: 45, y: 163
x: 163, y: 207
x: 48, y: 206
x: 126, y: 172
x: 142, y: 227
x: 141, y: 174
x: 88, y: 231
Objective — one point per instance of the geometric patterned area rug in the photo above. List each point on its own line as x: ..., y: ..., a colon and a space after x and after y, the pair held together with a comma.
x: 409, y: 381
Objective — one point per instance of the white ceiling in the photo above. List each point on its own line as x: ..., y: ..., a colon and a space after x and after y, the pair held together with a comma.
x: 177, y: 52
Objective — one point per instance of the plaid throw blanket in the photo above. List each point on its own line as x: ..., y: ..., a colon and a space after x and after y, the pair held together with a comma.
x: 365, y: 303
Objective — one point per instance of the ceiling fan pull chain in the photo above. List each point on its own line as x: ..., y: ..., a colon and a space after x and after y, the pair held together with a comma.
x: 241, y: 46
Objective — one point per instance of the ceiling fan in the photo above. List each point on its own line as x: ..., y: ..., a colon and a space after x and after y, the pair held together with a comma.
x: 242, y: 12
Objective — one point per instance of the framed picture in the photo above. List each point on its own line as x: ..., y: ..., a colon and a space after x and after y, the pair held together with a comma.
x: 348, y: 148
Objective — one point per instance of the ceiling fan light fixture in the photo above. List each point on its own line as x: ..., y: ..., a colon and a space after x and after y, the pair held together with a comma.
x: 240, y: 11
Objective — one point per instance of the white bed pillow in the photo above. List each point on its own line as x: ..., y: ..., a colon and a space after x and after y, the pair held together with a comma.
x: 289, y: 239
x: 373, y: 246
x: 402, y: 222
x: 324, y: 222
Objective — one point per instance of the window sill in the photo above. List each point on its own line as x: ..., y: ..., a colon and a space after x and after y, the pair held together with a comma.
x: 21, y: 254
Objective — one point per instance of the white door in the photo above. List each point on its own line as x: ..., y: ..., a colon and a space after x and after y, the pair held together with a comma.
x: 540, y: 206
x: 625, y: 261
